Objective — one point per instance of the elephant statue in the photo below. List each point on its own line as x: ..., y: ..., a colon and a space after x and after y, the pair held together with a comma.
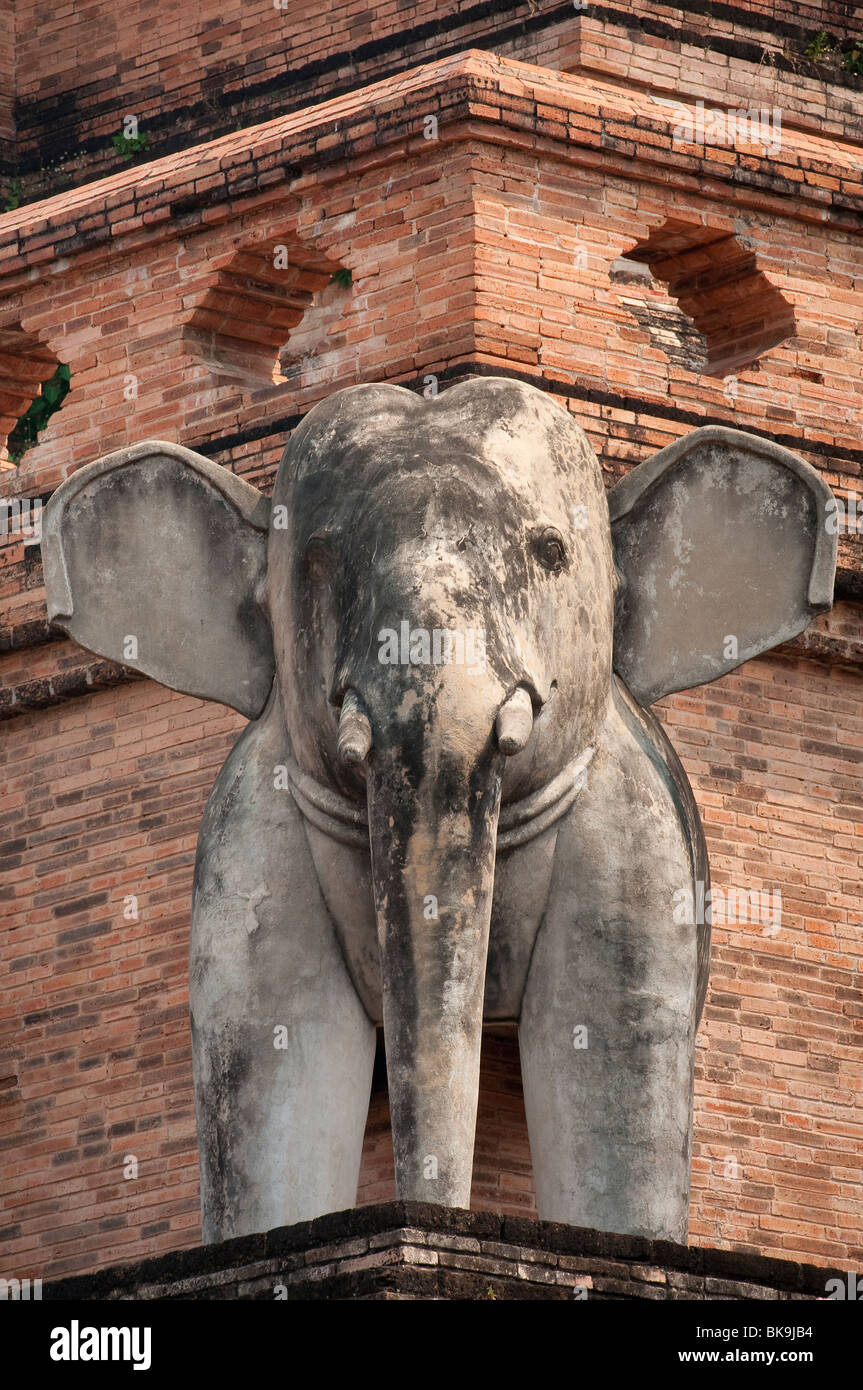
x: 451, y: 804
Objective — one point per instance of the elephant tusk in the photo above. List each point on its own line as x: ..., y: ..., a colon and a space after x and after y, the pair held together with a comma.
x: 514, y: 722
x: 355, y: 731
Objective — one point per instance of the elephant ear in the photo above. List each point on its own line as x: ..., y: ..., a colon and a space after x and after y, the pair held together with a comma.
x: 723, y: 547
x: 155, y: 557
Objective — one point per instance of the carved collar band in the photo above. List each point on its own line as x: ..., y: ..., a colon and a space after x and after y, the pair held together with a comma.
x: 520, y: 821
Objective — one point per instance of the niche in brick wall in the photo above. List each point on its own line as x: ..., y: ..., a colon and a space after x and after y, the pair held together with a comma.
x: 25, y: 363
x: 317, y: 346
x: 703, y: 298
x: 254, y: 299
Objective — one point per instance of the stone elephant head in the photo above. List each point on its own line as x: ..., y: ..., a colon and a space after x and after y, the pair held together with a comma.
x: 456, y: 633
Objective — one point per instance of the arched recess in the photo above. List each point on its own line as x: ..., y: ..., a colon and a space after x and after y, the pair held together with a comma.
x: 716, y: 281
x: 25, y: 364
x: 256, y: 296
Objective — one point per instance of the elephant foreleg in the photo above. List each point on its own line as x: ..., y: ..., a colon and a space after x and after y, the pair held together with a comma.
x: 283, y: 1049
x: 610, y: 1007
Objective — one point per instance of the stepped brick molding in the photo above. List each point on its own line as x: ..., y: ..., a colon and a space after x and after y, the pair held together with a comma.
x: 209, y: 70
x: 412, y: 1250
x: 587, y: 114
x: 527, y: 267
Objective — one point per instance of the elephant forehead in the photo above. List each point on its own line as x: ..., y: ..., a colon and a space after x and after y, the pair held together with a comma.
x: 531, y: 441
x: 357, y: 416
x: 522, y: 428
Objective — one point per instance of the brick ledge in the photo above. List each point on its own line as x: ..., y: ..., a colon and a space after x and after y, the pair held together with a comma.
x: 589, y: 120
x: 418, y: 1250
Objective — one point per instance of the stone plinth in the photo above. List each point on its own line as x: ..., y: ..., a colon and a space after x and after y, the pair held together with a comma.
x: 412, y: 1250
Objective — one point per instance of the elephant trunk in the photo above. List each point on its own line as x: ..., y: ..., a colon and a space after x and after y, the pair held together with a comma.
x: 434, y: 782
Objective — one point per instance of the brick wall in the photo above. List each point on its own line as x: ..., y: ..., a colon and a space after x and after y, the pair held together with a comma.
x: 774, y: 754
x: 7, y: 85
x: 495, y: 248
x: 189, y: 73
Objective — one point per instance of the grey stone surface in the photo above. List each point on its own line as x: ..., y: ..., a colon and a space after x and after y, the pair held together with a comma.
x: 721, y: 535
x: 160, y: 545
x: 408, y: 1250
x: 448, y: 808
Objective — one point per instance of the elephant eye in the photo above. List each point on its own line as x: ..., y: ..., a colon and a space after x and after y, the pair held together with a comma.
x: 550, y: 549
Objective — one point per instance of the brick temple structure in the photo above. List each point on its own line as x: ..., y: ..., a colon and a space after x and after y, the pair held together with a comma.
x: 216, y: 215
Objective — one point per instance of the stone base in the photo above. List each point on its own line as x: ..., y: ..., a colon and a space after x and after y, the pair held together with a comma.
x: 413, y: 1250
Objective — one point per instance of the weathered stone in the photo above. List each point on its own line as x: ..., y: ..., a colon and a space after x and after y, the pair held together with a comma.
x: 538, y: 1273
x: 649, y: 1274
x: 427, y: 1267
x: 725, y: 1288
x: 419, y: 1255
x: 465, y: 1244
x: 523, y: 1253
x: 483, y: 1263
x: 408, y: 1235
x: 448, y: 806
x: 344, y: 1250
x: 686, y: 1283
x: 377, y: 1260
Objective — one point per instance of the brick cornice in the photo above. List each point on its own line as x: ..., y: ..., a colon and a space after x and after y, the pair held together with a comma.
x: 322, y: 79
x: 473, y: 95
x: 45, y: 691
